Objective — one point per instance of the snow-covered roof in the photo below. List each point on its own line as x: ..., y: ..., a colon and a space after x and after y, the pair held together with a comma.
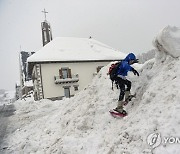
x: 75, y: 49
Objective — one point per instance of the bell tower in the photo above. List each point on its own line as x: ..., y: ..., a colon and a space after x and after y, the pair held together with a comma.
x: 46, y: 30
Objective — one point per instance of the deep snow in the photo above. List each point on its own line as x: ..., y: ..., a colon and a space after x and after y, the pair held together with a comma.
x: 83, y: 124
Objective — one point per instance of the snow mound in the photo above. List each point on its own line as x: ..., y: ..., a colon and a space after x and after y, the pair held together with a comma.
x: 168, y: 40
x: 83, y: 125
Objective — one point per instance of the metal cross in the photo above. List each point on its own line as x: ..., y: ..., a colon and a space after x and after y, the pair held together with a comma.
x: 44, y: 13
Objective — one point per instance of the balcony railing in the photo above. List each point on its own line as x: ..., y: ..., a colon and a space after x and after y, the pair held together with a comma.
x: 58, y: 80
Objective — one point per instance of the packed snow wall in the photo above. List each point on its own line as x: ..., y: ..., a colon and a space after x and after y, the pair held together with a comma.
x: 168, y: 41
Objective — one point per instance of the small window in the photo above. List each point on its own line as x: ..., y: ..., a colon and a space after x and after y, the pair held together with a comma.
x: 76, y: 88
x: 65, y: 73
x: 45, y: 36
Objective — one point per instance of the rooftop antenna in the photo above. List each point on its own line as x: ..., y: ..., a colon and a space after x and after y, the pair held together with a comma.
x: 44, y: 11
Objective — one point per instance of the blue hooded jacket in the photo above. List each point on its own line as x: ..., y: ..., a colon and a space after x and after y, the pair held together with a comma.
x: 125, y: 66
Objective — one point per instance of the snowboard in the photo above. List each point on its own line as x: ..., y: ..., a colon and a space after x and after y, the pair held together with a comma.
x: 117, y: 114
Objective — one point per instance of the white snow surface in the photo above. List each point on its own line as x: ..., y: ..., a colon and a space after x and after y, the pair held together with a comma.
x: 168, y: 40
x: 7, y: 97
x: 83, y: 125
x: 75, y: 49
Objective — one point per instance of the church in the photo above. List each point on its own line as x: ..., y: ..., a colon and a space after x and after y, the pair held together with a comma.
x: 66, y: 65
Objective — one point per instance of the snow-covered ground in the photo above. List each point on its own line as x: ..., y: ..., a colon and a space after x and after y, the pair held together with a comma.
x: 83, y: 125
x: 6, y: 97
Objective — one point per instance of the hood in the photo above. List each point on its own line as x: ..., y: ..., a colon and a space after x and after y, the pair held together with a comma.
x: 129, y: 57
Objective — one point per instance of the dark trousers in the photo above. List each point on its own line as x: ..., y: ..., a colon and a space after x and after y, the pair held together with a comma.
x: 121, y: 82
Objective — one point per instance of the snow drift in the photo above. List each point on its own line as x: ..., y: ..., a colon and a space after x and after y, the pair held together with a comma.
x: 168, y: 41
x: 83, y: 124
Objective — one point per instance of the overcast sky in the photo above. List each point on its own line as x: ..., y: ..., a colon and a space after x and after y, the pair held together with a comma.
x: 126, y: 25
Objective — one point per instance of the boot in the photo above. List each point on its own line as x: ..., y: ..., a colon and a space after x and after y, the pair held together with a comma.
x: 127, y: 93
x: 127, y: 98
x: 119, y: 107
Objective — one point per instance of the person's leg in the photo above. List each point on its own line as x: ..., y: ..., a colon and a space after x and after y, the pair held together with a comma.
x: 122, y: 90
x: 127, y: 92
x: 128, y: 84
x: 121, y: 95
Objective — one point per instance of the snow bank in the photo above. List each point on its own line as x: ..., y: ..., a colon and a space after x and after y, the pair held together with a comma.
x: 83, y: 124
x: 168, y: 40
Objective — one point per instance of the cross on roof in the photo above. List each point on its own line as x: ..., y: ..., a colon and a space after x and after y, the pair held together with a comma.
x: 44, y: 13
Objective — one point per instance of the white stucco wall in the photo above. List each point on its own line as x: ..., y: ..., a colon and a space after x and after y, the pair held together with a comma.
x: 85, y: 71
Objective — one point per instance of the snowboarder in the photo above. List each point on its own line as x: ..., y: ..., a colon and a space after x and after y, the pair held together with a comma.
x: 121, y: 80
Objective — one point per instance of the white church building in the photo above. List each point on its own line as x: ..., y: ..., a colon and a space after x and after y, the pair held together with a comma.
x: 67, y: 65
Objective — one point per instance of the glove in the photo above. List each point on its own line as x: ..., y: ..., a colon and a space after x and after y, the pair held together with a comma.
x: 136, y: 61
x: 135, y: 72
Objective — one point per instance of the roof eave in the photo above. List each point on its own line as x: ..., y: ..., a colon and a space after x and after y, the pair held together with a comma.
x: 73, y: 61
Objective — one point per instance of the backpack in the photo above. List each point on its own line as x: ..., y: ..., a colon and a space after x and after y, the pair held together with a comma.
x: 113, y: 71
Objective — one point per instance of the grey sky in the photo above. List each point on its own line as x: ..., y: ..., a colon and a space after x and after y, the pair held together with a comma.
x: 127, y: 25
